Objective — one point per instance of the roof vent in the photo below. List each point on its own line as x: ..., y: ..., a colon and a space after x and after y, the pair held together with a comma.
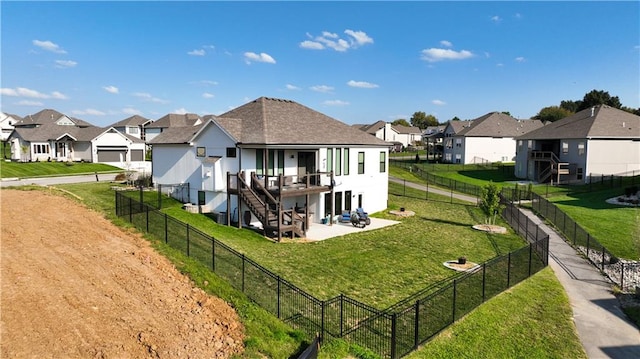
x: 624, y: 124
x: 593, y: 110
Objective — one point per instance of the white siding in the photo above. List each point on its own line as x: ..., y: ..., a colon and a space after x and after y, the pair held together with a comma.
x: 612, y: 156
x: 488, y: 148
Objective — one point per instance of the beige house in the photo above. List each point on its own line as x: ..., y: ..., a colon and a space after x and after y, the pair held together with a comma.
x: 595, y: 141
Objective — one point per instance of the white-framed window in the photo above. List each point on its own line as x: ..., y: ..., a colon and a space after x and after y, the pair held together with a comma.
x: 565, y: 147
x: 458, y: 142
x: 447, y: 157
x: 458, y: 158
x: 133, y: 130
x: 41, y: 149
x: 581, y: 148
x: 201, y: 152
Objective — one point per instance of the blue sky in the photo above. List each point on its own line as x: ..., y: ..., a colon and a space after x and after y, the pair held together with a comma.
x: 358, y: 62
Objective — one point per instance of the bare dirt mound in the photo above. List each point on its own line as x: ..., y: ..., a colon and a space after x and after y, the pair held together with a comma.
x: 76, y: 286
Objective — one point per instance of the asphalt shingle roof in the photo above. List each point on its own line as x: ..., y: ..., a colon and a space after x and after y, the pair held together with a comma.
x: 48, y: 116
x: 497, y: 124
x: 134, y: 120
x: 606, y: 122
x: 175, y: 120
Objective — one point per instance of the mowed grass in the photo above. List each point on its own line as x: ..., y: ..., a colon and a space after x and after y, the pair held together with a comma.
x: 518, y: 311
x: 614, y: 226
x: 43, y: 169
x: 509, y: 326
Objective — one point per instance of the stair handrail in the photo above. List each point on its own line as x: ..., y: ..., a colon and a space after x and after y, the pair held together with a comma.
x: 256, y: 182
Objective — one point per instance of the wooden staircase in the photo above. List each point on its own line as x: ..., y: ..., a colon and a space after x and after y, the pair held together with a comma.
x: 275, y: 220
x: 554, y: 169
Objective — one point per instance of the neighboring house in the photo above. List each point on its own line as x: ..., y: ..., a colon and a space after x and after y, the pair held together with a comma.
x: 489, y: 138
x: 51, y: 136
x: 134, y: 126
x: 154, y: 128
x: 276, y: 164
x: 400, y: 136
x: 598, y: 140
x: 432, y: 138
x: 7, y: 122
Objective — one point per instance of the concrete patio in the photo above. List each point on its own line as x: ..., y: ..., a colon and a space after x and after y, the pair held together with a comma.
x: 318, y: 232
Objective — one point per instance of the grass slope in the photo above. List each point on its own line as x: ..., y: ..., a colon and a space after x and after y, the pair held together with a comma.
x: 268, y: 337
x: 43, y: 169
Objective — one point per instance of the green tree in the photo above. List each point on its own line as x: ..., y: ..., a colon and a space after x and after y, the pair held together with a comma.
x: 596, y: 97
x: 507, y: 113
x: 552, y: 114
x: 455, y: 118
x: 571, y: 106
x: 401, y: 122
x: 422, y: 120
x: 490, y: 202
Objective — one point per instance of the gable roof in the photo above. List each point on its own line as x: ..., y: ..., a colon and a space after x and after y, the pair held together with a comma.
x: 175, y: 120
x: 406, y: 129
x: 497, y: 124
x: 134, y: 120
x: 600, y: 122
x: 48, y: 116
x: 373, y: 128
x: 53, y: 132
x: 271, y: 121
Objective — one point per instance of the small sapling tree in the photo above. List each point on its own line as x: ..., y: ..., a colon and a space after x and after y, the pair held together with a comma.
x: 490, y: 202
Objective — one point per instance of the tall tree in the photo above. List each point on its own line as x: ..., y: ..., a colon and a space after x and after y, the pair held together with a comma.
x: 401, y: 122
x: 552, y: 113
x: 422, y: 120
x: 571, y: 106
x: 455, y: 118
x: 596, y: 97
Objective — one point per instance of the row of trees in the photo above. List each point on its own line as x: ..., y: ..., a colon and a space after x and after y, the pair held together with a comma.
x: 551, y: 113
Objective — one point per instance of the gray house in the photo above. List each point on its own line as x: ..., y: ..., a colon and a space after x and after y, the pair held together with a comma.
x: 595, y: 141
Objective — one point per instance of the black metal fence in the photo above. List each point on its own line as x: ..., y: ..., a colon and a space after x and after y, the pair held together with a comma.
x: 389, y: 333
x: 626, y: 274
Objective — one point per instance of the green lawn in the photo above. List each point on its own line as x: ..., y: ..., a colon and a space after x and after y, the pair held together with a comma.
x: 378, y: 268
x: 43, y: 169
x: 616, y: 227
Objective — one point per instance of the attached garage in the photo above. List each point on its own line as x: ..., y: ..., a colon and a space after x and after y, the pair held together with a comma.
x: 112, y: 154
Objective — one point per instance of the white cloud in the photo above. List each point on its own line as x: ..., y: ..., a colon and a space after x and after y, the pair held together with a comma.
x: 354, y: 39
x: 434, y: 54
x: 362, y: 84
x: 197, y: 52
x: 336, y: 103
x: 520, y: 59
x: 204, y: 82
x: 30, y: 103
x: 25, y: 92
x: 49, y: 46
x: 64, y: 64
x: 262, y: 57
x: 111, y: 89
x: 360, y: 37
x: 321, y: 88
x: 496, y: 18
x: 446, y: 43
x: 292, y: 87
x: 147, y: 97
x: 208, y: 95
x: 500, y: 64
x: 89, y: 111
x: 518, y: 15
x: 131, y: 111
x: 181, y: 111
x: 438, y: 102
x: 311, y: 45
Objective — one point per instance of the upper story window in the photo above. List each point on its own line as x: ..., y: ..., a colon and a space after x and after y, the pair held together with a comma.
x: 329, y: 159
x: 360, y: 163
x: 133, y: 130
x: 458, y: 142
x: 346, y: 161
x: 231, y: 152
x: 338, y: 161
x: 565, y: 147
x: 581, y: 148
x: 383, y: 162
x: 201, y: 151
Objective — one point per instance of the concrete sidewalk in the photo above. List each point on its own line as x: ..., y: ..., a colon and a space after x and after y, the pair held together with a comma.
x: 603, y: 329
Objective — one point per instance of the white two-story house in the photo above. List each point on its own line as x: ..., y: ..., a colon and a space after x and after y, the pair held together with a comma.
x: 275, y: 163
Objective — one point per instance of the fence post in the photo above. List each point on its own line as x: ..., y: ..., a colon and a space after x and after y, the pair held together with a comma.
x: 622, y: 276
x: 213, y: 254
x: 453, y: 306
x: 141, y: 198
x: 147, y: 217
x: 603, y: 252
x: 394, y: 317
x: 278, y: 278
x: 242, y: 272
x: 530, y: 253
x: 588, y: 240
x: 159, y: 196
x: 416, y: 325
x: 188, y: 244
x: 404, y: 188
x: 341, y: 314
x: 166, y: 229
x: 509, y: 270
x: 322, y: 320
x: 484, y: 281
